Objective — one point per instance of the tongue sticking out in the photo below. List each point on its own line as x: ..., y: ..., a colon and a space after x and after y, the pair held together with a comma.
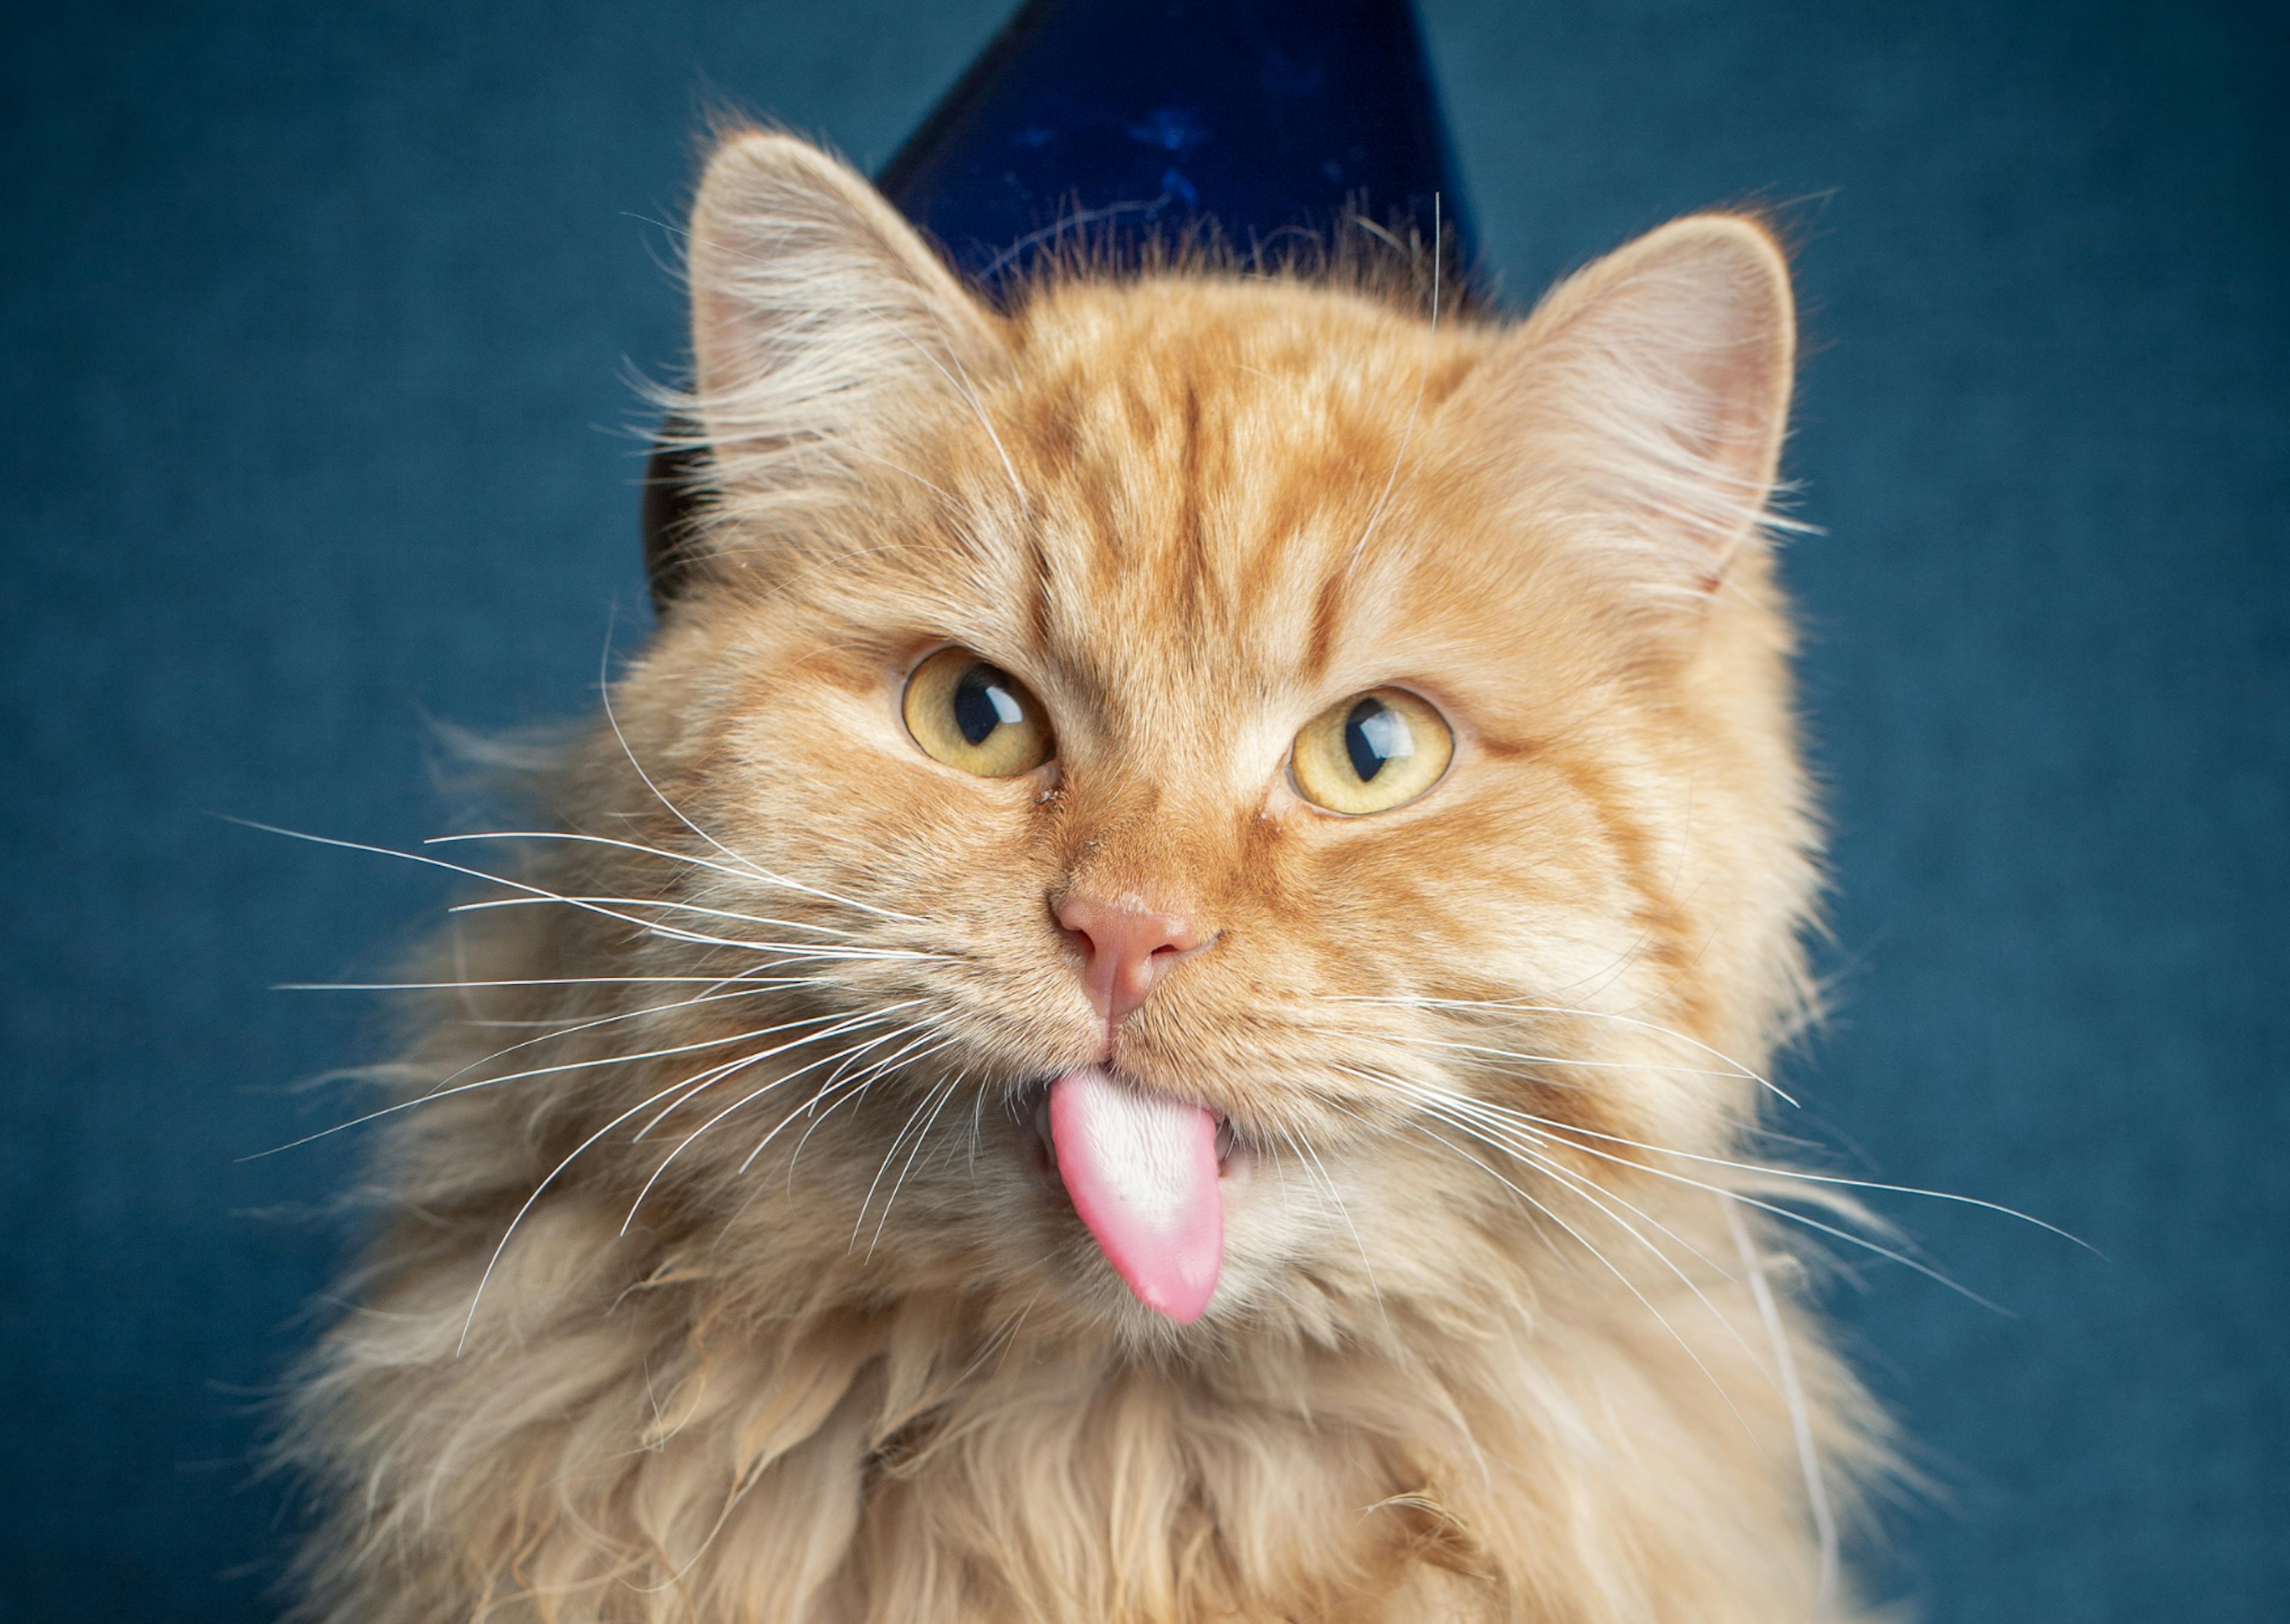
x: 1143, y: 1173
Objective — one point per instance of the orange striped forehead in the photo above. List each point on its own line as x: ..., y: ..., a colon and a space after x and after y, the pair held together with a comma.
x: 1216, y: 506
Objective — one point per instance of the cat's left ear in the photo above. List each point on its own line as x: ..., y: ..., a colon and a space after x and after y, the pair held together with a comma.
x: 1645, y: 400
x: 824, y: 329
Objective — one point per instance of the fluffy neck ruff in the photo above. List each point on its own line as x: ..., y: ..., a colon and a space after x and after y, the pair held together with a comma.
x: 654, y: 1443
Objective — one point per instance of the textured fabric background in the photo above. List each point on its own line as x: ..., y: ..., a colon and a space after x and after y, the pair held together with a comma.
x: 315, y: 322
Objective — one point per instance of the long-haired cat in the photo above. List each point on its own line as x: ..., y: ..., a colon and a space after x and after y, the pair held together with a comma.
x: 1148, y: 1003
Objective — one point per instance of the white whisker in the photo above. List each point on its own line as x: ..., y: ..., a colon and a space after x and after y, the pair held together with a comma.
x: 942, y: 1093
x: 1808, y: 1454
x: 672, y: 906
x: 1460, y: 1113
x: 745, y: 976
x: 494, y: 1261
x: 1607, y: 1263
x: 849, y: 1023
x: 1555, y: 1168
x: 1413, y: 1040
x: 649, y: 927
x: 1344, y: 1212
x: 540, y: 1071
x: 1779, y: 1211
x: 1793, y: 1175
x: 1512, y: 1007
x: 755, y: 869
x: 1007, y: 1334
x: 700, y: 1084
x: 856, y: 1086
x: 744, y: 874
x: 797, y: 951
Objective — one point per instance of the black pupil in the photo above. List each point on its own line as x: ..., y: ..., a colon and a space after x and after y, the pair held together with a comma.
x: 982, y: 702
x: 1373, y: 735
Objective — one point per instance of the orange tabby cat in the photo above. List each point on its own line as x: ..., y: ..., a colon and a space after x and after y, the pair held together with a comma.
x: 1147, y: 1006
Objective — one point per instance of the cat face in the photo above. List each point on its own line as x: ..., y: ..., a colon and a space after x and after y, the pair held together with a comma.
x: 1202, y: 752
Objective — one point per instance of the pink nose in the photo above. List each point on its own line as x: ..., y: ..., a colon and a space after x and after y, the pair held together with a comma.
x: 1124, y: 951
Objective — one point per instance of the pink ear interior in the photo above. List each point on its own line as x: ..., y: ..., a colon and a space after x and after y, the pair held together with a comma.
x: 1655, y: 383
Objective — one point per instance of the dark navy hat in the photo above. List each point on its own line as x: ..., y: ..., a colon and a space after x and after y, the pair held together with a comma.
x: 1118, y: 121
x: 1107, y: 125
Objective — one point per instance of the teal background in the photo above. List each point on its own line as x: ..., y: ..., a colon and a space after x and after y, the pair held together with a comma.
x: 316, y: 327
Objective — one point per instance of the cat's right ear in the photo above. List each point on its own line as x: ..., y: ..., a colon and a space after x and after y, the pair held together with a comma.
x: 822, y: 325
x: 1643, y: 404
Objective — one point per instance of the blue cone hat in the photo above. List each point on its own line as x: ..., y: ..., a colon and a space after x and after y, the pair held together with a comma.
x: 1103, y: 126
x: 1125, y: 119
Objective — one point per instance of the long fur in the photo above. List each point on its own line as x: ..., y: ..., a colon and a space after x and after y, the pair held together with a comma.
x: 715, y: 1275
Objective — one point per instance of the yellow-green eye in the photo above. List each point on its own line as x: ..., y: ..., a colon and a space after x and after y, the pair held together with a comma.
x: 1375, y: 751
x: 975, y: 716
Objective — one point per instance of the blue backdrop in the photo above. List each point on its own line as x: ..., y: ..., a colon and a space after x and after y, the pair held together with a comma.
x: 316, y: 319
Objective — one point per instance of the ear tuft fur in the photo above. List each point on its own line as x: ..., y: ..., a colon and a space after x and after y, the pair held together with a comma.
x: 1652, y: 390
x: 823, y: 326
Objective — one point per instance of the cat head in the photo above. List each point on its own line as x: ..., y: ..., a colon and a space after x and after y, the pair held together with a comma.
x: 1202, y: 750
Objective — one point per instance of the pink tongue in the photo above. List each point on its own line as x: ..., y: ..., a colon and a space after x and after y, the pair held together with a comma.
x: 1143, y: 1173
